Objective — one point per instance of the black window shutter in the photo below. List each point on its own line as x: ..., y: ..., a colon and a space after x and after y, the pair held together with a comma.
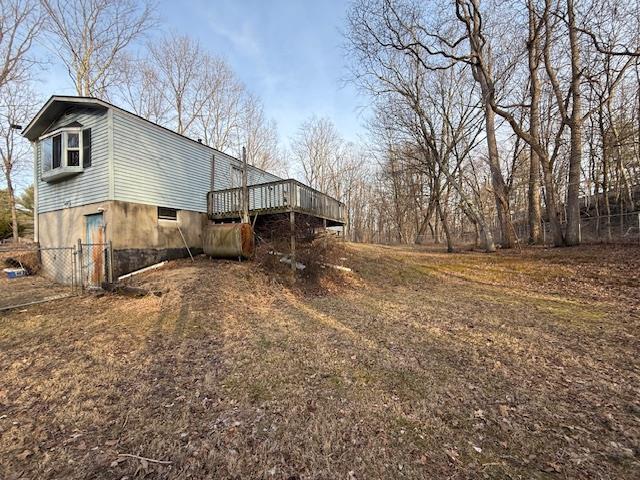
x: 57, y: 151
x: 86, y: 147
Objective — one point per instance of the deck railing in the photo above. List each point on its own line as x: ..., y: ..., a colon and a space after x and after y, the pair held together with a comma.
x: 275, y: 197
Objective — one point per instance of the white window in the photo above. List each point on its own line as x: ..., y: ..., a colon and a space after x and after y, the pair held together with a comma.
x: 63, y: 149
x: 73, y: 149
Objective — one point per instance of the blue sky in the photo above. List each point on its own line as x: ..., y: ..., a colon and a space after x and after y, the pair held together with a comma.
x: 287, y: 52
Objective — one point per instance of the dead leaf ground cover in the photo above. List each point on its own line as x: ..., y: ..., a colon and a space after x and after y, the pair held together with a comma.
x: 421, y: 365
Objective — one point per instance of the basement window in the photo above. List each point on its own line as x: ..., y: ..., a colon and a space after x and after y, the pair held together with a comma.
x: 165, y: 213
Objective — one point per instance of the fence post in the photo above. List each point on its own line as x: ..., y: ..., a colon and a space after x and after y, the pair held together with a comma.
x: 110, y: 256
x: 579, y: 231
x: 74, y: 272
x: 80, y: 262
x: 544, y: 235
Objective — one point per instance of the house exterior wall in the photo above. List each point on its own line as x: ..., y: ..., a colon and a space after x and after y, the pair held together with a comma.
x: 136, y: 225
x: 133, y: 160
x: 136, y: 166
x: 64, y: 227
x: 152, y: 165
x: 223, y: 166
x: 90, y: 186
x: 138, y: 237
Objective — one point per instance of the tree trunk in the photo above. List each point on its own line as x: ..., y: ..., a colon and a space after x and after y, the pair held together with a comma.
x: 422, y: 230
x: 445, y: 227
x: 551, y: 203
x: 14, y: 212
x: 575, y: 125
x: 486, y: 238
x: 534, y: 215
x: 501, y: 191
x: 605, y: 173
x: 482, y: 72
x: 475, y: 235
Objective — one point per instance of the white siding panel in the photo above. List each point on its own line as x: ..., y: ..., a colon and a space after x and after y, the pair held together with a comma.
x: 90, y: 186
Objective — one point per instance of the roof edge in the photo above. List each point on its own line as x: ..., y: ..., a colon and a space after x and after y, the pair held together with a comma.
x: 61, y: 98
x: 107, y: 105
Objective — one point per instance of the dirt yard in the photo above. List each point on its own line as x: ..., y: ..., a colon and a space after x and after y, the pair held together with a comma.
x: 19, y: 291
x: 418, y: 364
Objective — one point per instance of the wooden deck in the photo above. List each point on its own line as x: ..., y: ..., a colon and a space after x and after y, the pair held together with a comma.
x: 277, y: 197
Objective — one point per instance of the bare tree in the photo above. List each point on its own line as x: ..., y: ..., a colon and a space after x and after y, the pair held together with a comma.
x: 17, y: 107
x: 317, y: 148
x: 91, y: 36
x: 183, y: 87
x: 183, y: 70
x: 567, y: 68
x: 482, y: 65
x: 381, y: 39
x: 260, y: 136
x: 534, y: 59
x: 221, y: 116
x: 20, y: 24
x: 141, y: 90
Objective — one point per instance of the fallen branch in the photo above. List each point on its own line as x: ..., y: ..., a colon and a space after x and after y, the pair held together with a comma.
x: 138, y: 457
x: 287, y: 260
x: 337, y: 267
x: 130, y: 291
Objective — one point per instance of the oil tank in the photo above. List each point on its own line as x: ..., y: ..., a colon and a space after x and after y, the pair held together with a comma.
x: 228, y: 240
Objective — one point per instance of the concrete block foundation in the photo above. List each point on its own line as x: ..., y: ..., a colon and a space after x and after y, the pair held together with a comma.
x: 132, y: 259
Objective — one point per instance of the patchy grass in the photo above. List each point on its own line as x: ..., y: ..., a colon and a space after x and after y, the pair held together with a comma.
x: 420, y: 365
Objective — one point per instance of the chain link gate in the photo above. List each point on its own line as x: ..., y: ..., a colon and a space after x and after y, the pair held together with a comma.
x: 96, y: 262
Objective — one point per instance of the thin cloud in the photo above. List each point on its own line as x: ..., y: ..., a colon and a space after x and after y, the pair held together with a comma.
x: 243, y: 39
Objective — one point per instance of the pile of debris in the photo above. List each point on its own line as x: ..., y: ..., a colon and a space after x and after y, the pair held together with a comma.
x: 20, y: 263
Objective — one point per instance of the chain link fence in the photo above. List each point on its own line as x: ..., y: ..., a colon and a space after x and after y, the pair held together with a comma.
x: 620, y: 228
x: 32, y: 274
x: 615, y: 228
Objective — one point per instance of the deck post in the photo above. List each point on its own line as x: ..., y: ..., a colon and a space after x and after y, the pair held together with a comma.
x: 292, y: 225
x: 245, y: 189
x: 324, y: 232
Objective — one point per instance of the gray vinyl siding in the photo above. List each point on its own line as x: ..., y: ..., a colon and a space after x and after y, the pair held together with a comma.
x: 154, y: 166
x: 138, y: 161
x: 223, y: 172
x: 260, y: 176
x: 90, y: 186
